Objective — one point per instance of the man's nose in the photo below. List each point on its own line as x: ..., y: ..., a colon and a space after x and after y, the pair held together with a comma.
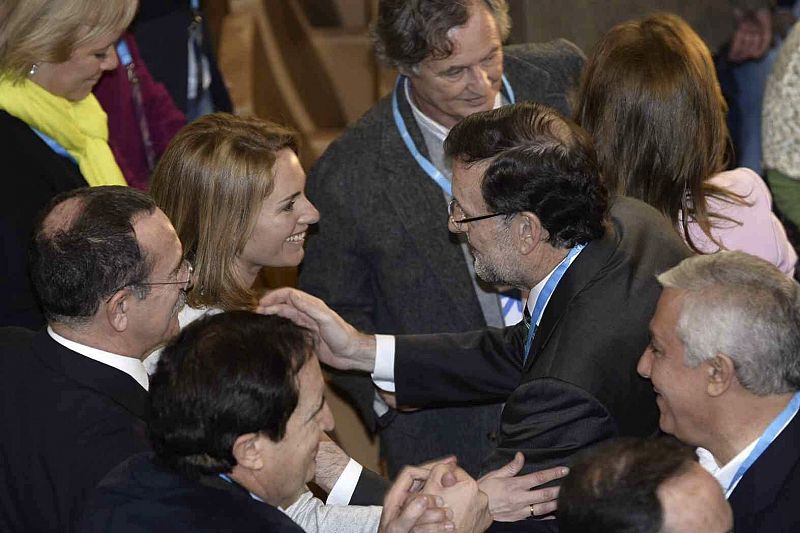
x: 645, y: 363
x: 480, y: 80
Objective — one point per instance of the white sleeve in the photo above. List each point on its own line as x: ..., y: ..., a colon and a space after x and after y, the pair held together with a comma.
x: 383, y: 375
x: 315, y: 517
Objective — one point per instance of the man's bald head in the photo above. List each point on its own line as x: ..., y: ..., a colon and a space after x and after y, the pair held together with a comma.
x: 85, y: 248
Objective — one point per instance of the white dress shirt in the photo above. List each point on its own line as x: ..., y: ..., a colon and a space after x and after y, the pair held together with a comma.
x: 130, y: 365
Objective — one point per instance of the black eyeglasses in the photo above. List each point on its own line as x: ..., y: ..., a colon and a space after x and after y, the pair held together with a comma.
x: 186, y: 269
x: 457, y: 215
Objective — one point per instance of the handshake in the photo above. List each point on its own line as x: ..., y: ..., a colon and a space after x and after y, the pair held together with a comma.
x: 440, y: 496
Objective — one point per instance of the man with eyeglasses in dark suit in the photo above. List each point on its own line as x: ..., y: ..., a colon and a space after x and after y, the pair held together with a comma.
x: 110, y: 274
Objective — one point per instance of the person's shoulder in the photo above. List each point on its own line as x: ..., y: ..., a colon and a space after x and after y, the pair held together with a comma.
x: 632, y: 212
x: 366, y: 129
x: 351, y: 155
x: 642, y: 229
x: 741, y: 181
x: 15, y: 132
x: 16, y: 345
x: 140, y: 490
x: 555, y: 50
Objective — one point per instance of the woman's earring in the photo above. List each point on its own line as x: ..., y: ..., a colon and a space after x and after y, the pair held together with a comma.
x: 34, y: 69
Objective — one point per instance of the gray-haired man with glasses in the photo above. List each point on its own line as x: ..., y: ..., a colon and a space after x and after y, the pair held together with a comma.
x: 110, y: 275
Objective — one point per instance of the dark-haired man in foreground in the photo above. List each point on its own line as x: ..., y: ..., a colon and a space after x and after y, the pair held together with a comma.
x: 236, y: 415
x: 528, y: 197
x: 109, y: 272
x: 646, y: 486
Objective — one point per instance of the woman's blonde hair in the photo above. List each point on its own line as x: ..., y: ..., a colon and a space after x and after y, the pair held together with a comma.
x: 211, y: 183
x: 50, y: 30
x: 651, y: 100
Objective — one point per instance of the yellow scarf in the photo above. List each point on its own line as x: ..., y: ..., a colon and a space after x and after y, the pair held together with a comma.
x: 80, y: 127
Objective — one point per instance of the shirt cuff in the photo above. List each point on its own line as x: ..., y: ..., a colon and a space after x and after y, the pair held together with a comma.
x: 344, y: 487
x: 379, y: 405
x: 383, y: 376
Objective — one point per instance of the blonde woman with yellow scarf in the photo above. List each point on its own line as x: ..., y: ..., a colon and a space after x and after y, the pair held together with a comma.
x: 53, y: 133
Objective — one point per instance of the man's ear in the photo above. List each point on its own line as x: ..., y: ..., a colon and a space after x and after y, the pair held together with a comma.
x: 720, y: 373
x: 528, y: 231
x: 117, y: 309
x: 247, y: 450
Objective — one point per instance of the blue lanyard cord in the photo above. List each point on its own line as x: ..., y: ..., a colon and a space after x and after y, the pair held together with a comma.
x: 769, y: 435
x: 426, y: 165
x: 509, y: 91
x: 227, y: 478
x: 421, y: 160
x: 123, y: 53
x: 54, y: 145
x: 195, y: 5
x: 544, y: 296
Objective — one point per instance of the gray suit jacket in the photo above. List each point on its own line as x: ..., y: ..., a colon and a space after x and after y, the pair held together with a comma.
x: 385, y: 260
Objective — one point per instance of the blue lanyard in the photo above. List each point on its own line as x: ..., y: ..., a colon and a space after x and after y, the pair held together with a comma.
x: 429, y: 168
x: 195, y: 5
x: 769, y: 435
x: 123, y: 53
x: 54, y: 145
x: 227, y: 478
x: 544, y: 296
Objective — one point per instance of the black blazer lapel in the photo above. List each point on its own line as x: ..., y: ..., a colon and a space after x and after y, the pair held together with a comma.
x: 421, y: 208
x: 106, y: 380
x: 585, y: 268
x: 761, y: 485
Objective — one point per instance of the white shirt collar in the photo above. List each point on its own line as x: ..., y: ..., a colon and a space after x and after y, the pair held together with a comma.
x: 724, y: 474
x: 535, y: 291
x: 130, y: 365
x: 439, y: 131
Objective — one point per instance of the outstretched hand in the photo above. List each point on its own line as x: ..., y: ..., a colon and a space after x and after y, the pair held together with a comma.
x: 511, y: 497
x: 340, y: 344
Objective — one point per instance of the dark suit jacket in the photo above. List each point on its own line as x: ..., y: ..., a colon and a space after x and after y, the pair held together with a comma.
x: 766, y: 498
x: 579, y: 384
x: 32, y: 175
x: 142, y: 496
x: 385, y: 260
x: 161, y: 31
x: 65, y: 421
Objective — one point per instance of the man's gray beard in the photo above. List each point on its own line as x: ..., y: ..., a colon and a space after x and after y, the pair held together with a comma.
x: 494, y: 274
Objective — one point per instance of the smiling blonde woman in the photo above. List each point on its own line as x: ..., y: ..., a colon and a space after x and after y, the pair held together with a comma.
x: 53, y: 133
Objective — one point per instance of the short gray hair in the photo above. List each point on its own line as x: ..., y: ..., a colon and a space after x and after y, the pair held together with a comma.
x: 408, y: 31
x: 744, y: 307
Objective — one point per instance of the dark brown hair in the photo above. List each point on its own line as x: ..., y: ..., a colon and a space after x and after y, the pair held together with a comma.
x: 539, y: 161
x: 650, y: 98
x: 614, y: 486
x: 408, y: 31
